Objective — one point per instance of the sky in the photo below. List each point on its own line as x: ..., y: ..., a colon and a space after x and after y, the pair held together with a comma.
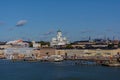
x: 77, y: 19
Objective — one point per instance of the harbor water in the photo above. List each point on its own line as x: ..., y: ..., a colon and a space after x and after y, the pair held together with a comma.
x: 66, y: 70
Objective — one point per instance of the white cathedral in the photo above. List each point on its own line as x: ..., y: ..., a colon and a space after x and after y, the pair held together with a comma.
x: 59, y: 40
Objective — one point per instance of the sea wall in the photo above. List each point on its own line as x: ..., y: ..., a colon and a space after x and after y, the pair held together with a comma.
x: 70, y: 52
x: 88, y: 52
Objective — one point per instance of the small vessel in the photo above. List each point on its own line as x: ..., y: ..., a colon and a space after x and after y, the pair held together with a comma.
x: 112, y: 65
x: 55, y: 58
x: 29, y: 59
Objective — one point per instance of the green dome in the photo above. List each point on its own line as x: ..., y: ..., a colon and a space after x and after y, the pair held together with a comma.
x: 59, y: 30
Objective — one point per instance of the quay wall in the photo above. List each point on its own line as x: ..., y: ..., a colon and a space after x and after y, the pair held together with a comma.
x: 70, y: 52
x: 88, y: 52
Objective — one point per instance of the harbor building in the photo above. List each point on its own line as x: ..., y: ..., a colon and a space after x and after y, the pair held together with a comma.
x: 59, y: 40
x: 12, y: 53
x: 36, y: 45
x: 18, y: 43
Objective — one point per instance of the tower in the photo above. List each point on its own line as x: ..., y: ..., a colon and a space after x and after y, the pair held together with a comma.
x: 59, y: 35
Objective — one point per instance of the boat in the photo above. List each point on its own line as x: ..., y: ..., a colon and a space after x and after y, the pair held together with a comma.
x: 55, y: 58
x: 29, y: 59
x: 112, y: 65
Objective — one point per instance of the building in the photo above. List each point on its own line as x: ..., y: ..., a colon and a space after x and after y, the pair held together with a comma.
x: 10, y: 53
x: 36, y: 45
x: 18, y: 43
x: 81, y: 44
x: 80, y: 53
x: 47, y: 51
x: 59, y: 40
x: 17, y: 49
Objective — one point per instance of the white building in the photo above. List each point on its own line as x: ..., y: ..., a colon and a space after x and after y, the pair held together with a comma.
x: 36, y: 45
x: 59, y: 40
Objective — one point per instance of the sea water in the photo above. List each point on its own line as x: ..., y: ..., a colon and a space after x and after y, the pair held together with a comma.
x: 65, y: 70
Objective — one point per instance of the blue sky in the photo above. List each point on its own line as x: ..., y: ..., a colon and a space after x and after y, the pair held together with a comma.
x: 77, y: 19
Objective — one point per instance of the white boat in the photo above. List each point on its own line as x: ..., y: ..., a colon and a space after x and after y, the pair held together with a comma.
x: 112, y: 65
x: 55, y: 58
x: 115, y: 64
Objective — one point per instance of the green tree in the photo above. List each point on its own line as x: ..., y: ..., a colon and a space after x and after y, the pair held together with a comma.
x: 69, y: 46
x: 119, y: 44
x: 110, y: 46
x: 44, y: 43
x: 30, y: 44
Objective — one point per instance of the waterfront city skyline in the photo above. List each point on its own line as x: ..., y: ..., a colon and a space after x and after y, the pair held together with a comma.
x: 77, y: 19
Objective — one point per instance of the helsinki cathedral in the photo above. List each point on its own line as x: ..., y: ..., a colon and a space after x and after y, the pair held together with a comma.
x: 59, y: 40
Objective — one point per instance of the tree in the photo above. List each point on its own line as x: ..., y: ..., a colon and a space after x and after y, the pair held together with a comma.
x: 44, y: 43
x: 119, y: 44
x: 111, y: 46
x: 30, y: 44
x: 69, y: 46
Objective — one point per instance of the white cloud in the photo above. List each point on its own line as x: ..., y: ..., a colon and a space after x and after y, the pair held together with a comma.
x: 21, y: 23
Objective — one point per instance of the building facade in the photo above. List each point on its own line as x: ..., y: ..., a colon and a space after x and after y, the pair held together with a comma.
x: 36, y: 45
x: 11, y: 52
